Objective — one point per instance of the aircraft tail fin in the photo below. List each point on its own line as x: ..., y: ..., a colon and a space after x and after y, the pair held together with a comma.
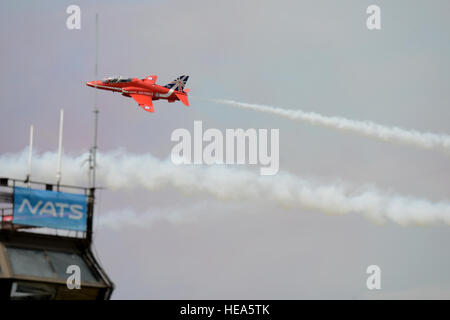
x: 178, y: 83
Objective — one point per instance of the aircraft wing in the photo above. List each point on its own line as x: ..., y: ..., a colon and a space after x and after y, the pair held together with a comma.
x: 144, y: 101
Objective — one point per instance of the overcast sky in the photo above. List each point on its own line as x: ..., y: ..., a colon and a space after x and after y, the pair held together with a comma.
x: 309, y: 55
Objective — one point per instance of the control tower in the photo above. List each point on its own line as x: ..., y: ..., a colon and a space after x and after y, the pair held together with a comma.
x: 45, y: 243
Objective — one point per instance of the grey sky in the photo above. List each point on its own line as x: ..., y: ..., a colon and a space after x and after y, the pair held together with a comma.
x: 311, y: 55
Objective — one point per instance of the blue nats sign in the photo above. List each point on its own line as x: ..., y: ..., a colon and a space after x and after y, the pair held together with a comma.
x: 50, y: 209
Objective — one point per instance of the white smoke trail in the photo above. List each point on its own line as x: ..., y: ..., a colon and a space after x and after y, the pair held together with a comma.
x: 120, y: 170
x: 366, y: 128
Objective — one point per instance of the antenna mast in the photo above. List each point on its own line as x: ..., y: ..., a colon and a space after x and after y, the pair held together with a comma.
x: 30, y: 156
x: 94, y: 147
x: 58, y: 172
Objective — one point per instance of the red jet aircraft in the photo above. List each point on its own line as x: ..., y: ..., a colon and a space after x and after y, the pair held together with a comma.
x: 144, y: 91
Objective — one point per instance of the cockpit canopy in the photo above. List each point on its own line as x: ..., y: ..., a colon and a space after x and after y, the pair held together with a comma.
x: 119, y: 79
